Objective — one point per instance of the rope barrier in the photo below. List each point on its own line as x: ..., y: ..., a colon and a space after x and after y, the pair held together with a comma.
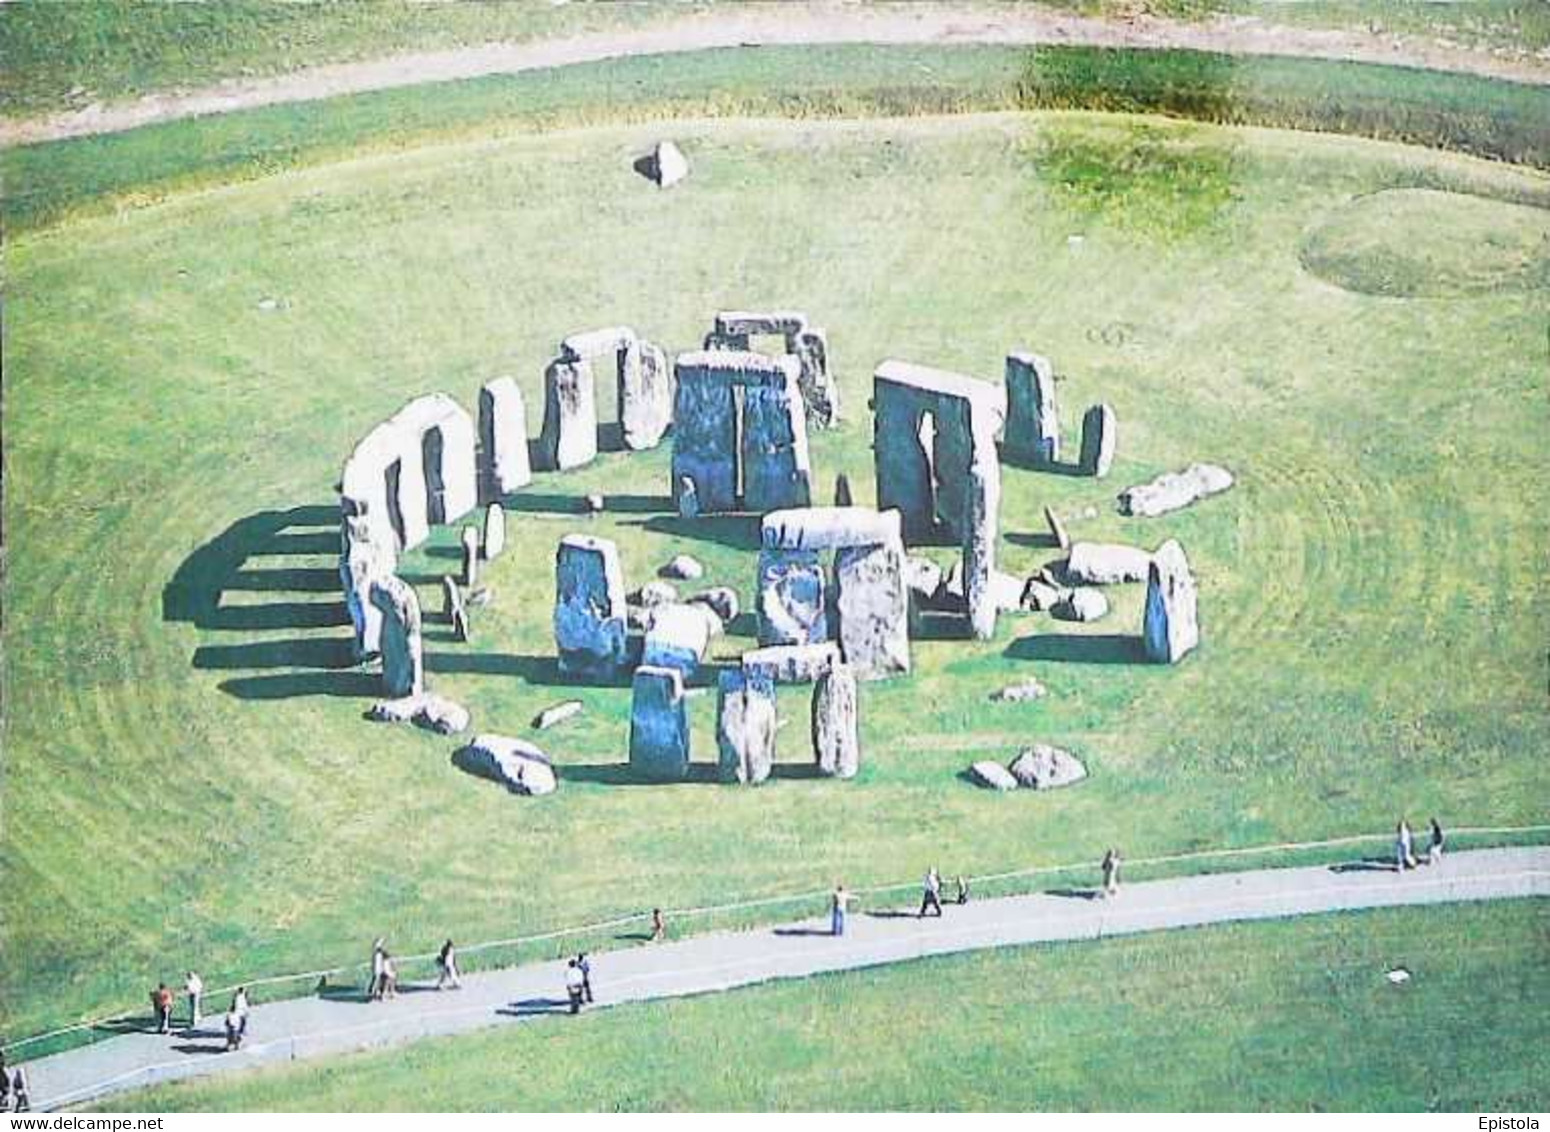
x: 770, y: 901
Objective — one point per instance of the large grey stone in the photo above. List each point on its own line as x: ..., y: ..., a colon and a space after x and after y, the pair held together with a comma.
x: 1106, y: 563
x: 470, y: 547
x: 441, y: 715
x: 836, y: 735
x: 705, y: 456
x: 721, y: 600
x: 678, y: 637
x: 745, y: 727
x: 776, y: 469
x: 645, y: 397
x: 659, y: 725
x: 873, y: 609
x: 791, y: 664
x: 653, y: 594
x: 667, y: 165
x: 791, y: 604
x: 820, y: 393
x: 1100, y: 435
x: 1032, y: 423
x: 494, y: 540
x: 1042, y: 767
x: 1080, y: 605
x: 503, y: 454
x: 1174, y: 490
x: 569, y: 435
x: 519, y: 766
x: 993, y: 775
x: 589, y: 608
x: 1170, y: 625
x: 826, y: 528
x: 403, y: 664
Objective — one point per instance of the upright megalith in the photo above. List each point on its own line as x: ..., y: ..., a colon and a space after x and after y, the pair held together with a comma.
x: 791, y: 600
x: 470, y: 555
x: 589, y: 607
x: 403, y: 663
x: 659, y: 725
x: 451, y: 598
x: 503, y: 454
x: 705, y: 460
x: 836, y: 737
x: 1032, y: 423
x: 1099, y: 437
x: 493, y: 541
x: 745, y: 726
x: 873, y: 608
x: 808, y: 345
x: 645, y: 396
x: 569, y: 435
x: 1170, y: 627
x: 776, y: 469
x: 361, y: 561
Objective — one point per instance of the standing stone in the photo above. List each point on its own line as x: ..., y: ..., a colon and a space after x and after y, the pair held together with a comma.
x: 776, y: 472
x: 842, y: 493
x: 819, y: 392
x: 1057, y: 529
x: 659, y: 725
x: 589, y: 607
x: 983, y: 521
x: 678, y: 637
x: 403, y: 664
x: 569, y: 436
x: 745, y: 727
x: 462, y: 628
x: 667, y: 165
x: 503, y: 456
x: 470, y: 556
x: 791, y: 604
x: 494, y: 531
x: 1099, y: 437
x: 1170, y: 626
x: 836, y: 740
x: 873, y: 608
x: 1032, y: 423
x: 704, y: 441
x: 688, y: 499
x: 645, y: 396
x: 361, y: 560
x: 451, y: 598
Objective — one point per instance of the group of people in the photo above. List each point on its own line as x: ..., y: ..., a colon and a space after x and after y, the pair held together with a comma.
x: 384, y: 971
x: 1404, y: 846
x: 14, y: 1095
x: 236, y: 1020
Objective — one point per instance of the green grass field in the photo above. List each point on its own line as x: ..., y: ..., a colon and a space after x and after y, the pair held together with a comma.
x: 1292, y: 1016
x: 189, y: 780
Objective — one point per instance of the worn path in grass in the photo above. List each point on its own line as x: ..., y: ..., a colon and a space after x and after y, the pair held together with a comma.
x: 337, y: 1021
x: 782, y: 24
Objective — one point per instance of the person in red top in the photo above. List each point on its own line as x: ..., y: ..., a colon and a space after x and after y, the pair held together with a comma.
x: 161, y: 999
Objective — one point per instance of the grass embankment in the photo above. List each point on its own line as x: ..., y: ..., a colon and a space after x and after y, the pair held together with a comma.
x: 1287, y: 1016
x: 45, y: 183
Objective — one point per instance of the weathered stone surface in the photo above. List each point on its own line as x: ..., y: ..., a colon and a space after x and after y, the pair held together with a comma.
x: 645, y: 397
x: 740, y: 325
x: 519, y: 766
x: 1170, y: 626
x: 776, y: 470
x: 1039, y: 595
x: 705, y: 456
x: 362, y: 560
x: 683, y: 567
x: 873, y: 609
x: 836, y: 734
x: 923, y: 577
x: 416, y: 469
x: 825, y: 528
x: 1019, y: 693
x: 1106, y: 563
x: 441, y: 715
x: 1100, y: 435
x: 555, y: 714
x: 1032, y: 423
x: 657, y: 593
x: 403, y: 665
x: 444, y: 435
x: 462, y: 627
x: 791, y: 604
x: 820, y: 393
x: 667, y: 165
x: 791, y: 664
x: 993, y: 775
x: 722, y: 600
x: 470, y: 555
x: 401, y: 710
x: 589, y: 624
x: 503, y: 455
x: 688, y: 501
x: 659, y: 725
x: 1174, y: 490
x: 843, y: 496
x: 614, y: 342
x: 1057, y: 529
x: 569, y: 435
x: 451, y: 598
x: 678, y: 637
x: 494, y: 540
x: 745, y: 727
x: 1081, y: 605
x: 1006, y: 591
x: 1042, y: 767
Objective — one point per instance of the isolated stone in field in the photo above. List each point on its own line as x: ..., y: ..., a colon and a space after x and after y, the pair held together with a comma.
x: 1081, y: 605
x: 683, y: 567
x: 667, y: 165
x: 659, y: 725
x: 1042, y: 767
x: 441, y: 715
x: 503, y: 455
x: 791, y: 603
x: 657, y: 593
x: 1170, y: 627
x: 678, y: 637
x: 1174, y: 490
x: 1032, y: 423
x: 791, y: 664
x: 521, y: 767
x: 721, y: 600
x: 745, y: 727
x: 556, y: 714
x: 494, y: 541
x: 569, y: 435
x: 403, y: 666
x: 843, y: 497
x: 993, y: 775
x: 1106, y: 563
x: 589, y: 625
x: 1023, y: 692
x: 873, y: 609
x: 1057, y: 529
x: 1100, y: 435
x: 836, y: 738
x: 470, y: 555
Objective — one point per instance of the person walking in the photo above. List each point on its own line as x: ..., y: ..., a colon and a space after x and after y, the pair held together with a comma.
x: 446, y: 967
x: 931, y: 892
x: 389, y: 976
x: 1111, y: 863
x: 839, y: 905
x: 161, y: 1002
x: 575, y: 986
x: 240, y: 1006
x: 19, y: 1090
x: 194, y: 987
x: 658, y: 926
x: 1434, y: 847
x: 963, y: 890
x: 1404, y: 847
x: 233, y: 1023
x: 378, y: 963
x: 584, y: 965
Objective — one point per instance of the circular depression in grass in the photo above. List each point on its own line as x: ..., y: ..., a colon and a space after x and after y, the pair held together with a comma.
x: 1427, y: 243
x: 190, y: 781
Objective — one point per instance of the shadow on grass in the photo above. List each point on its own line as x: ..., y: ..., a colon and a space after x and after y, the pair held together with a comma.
x: 700, y: 774
x: 741, y: 532
x: 193, y: 594
x: 1036, y: 540
x: 540, y: 670
x: 941, y: 625
x: 530, y: 1006
x: 291, y: 685
x: 1072, y: 648
x: 301, y: 652
x: 556, y: 503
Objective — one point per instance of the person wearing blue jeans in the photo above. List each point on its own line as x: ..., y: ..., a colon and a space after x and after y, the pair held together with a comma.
x: 837, y: 910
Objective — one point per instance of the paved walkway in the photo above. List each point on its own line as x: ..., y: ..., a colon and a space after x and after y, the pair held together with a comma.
x: 315, y: 1027
x: 816, y: 22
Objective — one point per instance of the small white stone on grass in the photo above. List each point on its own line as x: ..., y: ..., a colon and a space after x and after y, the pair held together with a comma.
x: 557, y: 713
x: 684, y: 568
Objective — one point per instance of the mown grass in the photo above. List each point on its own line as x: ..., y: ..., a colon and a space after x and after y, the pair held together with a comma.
x: 1286, y: 1016
x: 189, y: 781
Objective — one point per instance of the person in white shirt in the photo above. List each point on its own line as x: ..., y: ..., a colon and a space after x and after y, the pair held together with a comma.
x: 931, y: 896
x: 446, y: 965
x: 575, y: 986
x: 194, y: 987
x: 378, y: 963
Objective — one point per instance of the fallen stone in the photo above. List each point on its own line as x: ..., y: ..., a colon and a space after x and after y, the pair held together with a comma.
x: 657, y: 593
x: 684, y: 568
x: 836, y: 737
x: 1057, y: 529
x: 1024, y: 692
x: 494, y: 540
x: 1042, y: 767
x: 791, y: 664
x: 659, y: 725
x: 521, y: 767
x: 1174, y: 490
x: 722, y: 600
x: 441, y: 715
x: 1106, y: 563
x: 556, y: 714
x: 923, y: 576
x: 992, y: 775
x: 1170, y: 625
x: 1040, y: 596
x: 1081, y: 605
x: 1006, y: 592
x: 745, y: 727
x: 401, y: 710
x: 828, y: 528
